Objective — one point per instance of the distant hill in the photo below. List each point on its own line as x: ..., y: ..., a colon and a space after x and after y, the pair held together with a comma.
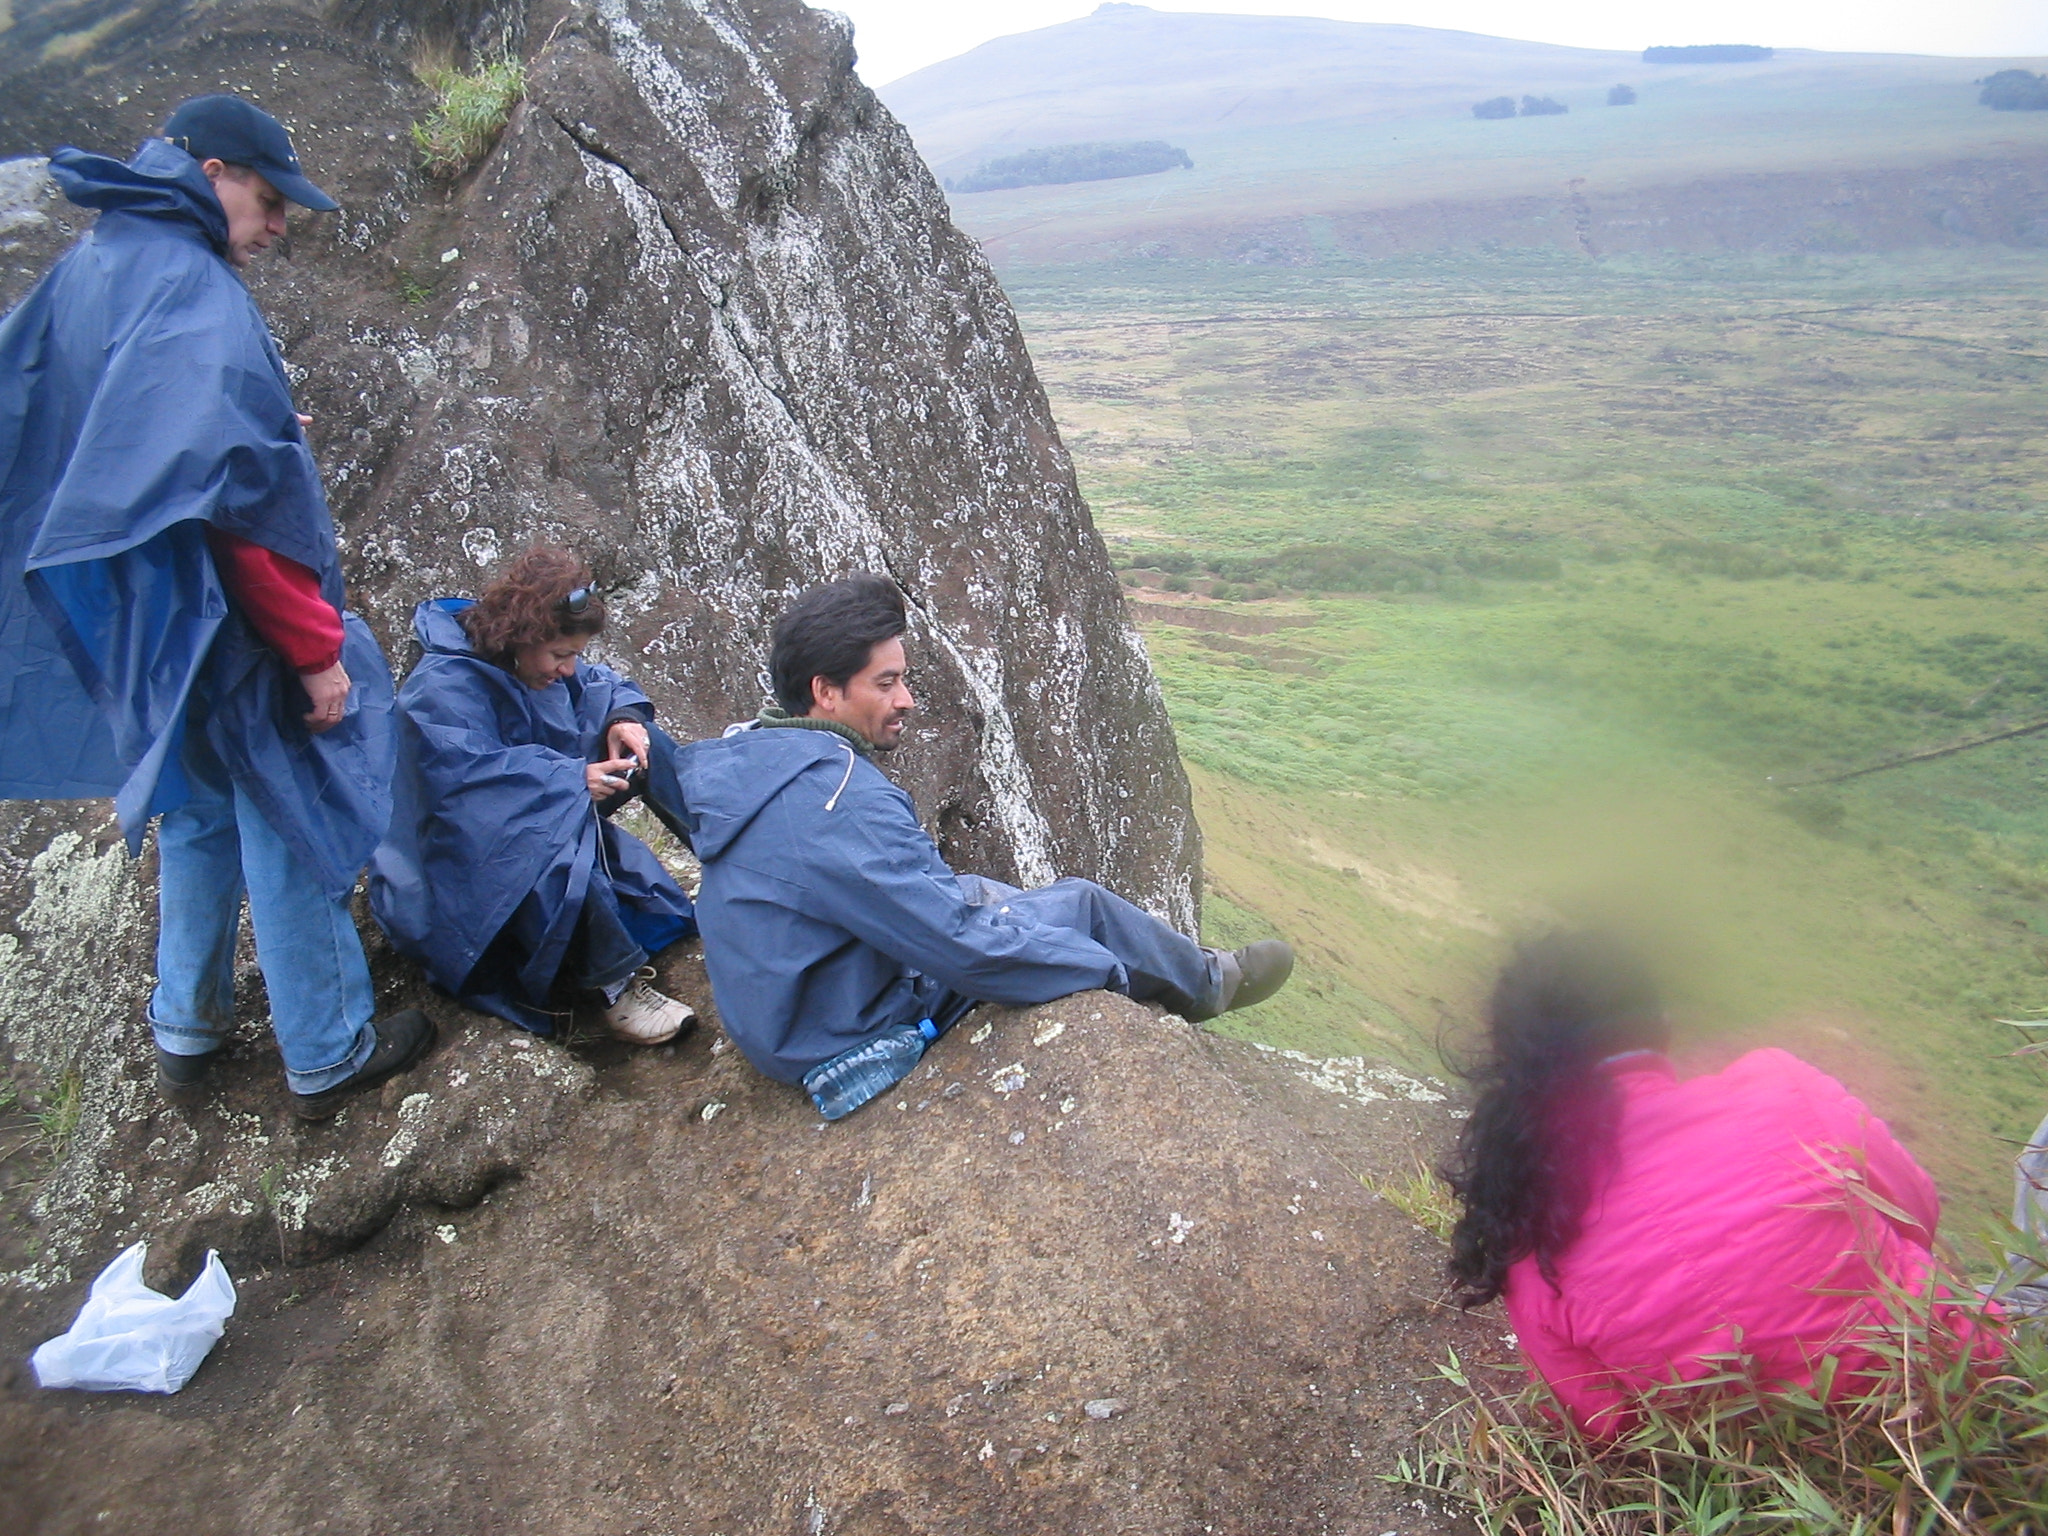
x: 1129, y: 72
x: 1709, y: 53
x: 1311, y: 138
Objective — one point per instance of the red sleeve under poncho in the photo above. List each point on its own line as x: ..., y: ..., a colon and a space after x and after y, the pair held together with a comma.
x: 282, y: 601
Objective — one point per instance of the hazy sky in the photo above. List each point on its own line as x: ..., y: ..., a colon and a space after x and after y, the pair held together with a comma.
x: 898, y: 36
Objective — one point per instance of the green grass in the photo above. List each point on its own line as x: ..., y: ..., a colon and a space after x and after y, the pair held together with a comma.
x: 1417, y: 1193
x: 1937, y: 1445
x: 473, y: 108
x: 57, y: 1120
x: 1573, y: 565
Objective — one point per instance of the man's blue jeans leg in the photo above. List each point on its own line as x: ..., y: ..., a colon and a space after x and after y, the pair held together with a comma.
x: 321, y: 1000
x: 1165, y: 965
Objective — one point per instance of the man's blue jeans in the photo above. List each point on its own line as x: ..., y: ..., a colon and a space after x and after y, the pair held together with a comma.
x: 1160, y: 963
x: 209, y: 850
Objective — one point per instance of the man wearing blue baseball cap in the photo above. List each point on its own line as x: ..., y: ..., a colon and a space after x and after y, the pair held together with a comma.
x: 248, y: 158
x: 171, y: 622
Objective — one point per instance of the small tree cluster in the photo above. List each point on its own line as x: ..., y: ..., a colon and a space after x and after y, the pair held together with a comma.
x: 1061, y: 163
x: 2014, y: 90
x: 1621, y: 96
x: 1532, y: 106
x: 1708, y: 53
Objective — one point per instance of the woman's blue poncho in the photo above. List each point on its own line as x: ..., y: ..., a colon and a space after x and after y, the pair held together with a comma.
x: 491, y: 805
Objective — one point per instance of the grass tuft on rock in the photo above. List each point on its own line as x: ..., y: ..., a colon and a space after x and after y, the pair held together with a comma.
x: 472, y: 112
x: 57, y: 1120
x: 1420, y: 1195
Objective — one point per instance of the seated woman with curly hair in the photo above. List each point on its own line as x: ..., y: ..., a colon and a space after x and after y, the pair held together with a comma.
x: 501, y: 872
x: 1646, y: 1230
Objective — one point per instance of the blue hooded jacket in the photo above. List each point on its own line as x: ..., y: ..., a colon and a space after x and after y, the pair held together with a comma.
x: 492, y: 806
x: 142, y: 399
x: 828, y: 914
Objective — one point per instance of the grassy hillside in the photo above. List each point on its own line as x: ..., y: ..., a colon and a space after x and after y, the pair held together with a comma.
x: 1543, y: 574
x: 1687, y: 142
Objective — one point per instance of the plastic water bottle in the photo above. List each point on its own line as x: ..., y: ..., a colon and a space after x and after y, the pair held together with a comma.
x: 840, y: 1086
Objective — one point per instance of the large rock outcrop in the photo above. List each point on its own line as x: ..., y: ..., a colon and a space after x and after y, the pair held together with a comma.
x: 702, y: 313
x: 699, y: 313
x: 1088, y: 1270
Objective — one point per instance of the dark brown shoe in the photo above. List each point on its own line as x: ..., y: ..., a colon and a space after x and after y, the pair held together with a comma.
x: 1249, y: 975
x: 402, y: 1040
x: 183, y: 1080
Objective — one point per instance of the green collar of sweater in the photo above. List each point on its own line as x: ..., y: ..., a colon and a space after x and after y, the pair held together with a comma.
x: 772, y: 715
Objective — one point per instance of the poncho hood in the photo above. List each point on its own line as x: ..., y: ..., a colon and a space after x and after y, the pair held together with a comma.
x: 161, y: 182
x: 437, y: 625
x: 726, y: 782
x: 142, y: 402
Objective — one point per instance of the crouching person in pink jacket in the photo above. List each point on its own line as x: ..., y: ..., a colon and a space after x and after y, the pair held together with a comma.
x: 1644, y: 1230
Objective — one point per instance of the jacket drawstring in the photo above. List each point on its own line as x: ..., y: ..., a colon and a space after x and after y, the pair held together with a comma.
x: 603, y: 859
x: 833, y: 803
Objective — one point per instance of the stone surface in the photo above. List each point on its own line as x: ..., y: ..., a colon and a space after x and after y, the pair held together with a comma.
x: 699, y: 313
x: 1088, y: 1270
x: 239, y: 1174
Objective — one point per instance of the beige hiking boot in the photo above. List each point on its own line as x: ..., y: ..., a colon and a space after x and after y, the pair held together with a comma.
x: 643, y: 1016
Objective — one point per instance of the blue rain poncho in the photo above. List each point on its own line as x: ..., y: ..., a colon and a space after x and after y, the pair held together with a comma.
x: 828, y: 914
x: 142, y: 399
x: 492, y: 807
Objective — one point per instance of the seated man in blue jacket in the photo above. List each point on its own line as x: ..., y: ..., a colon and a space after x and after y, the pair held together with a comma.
x: 838, y: 942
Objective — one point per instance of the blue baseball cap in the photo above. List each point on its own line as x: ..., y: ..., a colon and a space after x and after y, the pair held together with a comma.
x: 230, y: 129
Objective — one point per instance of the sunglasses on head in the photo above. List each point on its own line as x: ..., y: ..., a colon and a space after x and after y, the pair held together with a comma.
x: 577, y: 601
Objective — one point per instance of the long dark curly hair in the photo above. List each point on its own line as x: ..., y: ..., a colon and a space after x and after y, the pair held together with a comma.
x: 1525, y: 1162
x: 523, y: 604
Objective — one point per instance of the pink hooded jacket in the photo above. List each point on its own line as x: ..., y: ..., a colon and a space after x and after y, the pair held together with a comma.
x: 1725, y: 1225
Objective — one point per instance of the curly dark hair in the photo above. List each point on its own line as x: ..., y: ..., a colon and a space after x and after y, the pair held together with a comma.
x: 523, y: 604
x: 1525, y: 1162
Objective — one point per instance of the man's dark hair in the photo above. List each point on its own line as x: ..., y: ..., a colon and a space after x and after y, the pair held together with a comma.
x: 829, y: 632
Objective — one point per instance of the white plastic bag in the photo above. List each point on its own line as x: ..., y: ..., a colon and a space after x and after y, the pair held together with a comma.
x: 128, y: 1338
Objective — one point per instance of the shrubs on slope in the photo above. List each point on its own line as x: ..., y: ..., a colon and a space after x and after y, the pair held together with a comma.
x: 1100, y: 160
x: 1709, y: 53
x: 2014, y: 90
